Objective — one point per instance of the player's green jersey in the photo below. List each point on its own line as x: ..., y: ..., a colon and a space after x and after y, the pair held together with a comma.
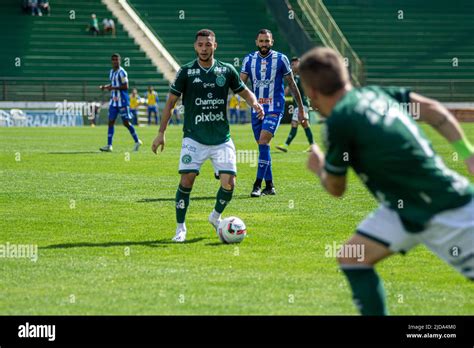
x: 205, y: 100
x: 300, y: 88
x: 371, y: 130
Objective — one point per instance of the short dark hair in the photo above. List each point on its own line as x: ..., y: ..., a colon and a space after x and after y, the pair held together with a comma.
x: 116, y: 55
x: 324, y: 69
x: 264, y: 31
x: 205, y: 33
x: 295, y: 59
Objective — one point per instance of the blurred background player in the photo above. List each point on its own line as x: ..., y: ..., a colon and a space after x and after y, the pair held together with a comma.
x: 294, y: 121
x: 94, y: 112
x: 134, y: 104
x: 93, y: 26
x: 243, y: 107
x: 421, y: 200
x: 108, y: 26
x: 267, y: 70
x: 206, y: 131
x: 233, y: 109
x: 152, y: 104
x: 119, y: 103
x: 45, y: 7
x: 176, y: 112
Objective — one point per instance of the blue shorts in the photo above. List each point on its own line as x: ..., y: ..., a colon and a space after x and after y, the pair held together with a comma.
x: 152, y: 109
x: 269, y: 123
x: 123, y: 111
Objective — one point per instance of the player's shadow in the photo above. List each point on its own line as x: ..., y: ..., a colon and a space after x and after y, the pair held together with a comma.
x: 72, y: 152
x: 198, y: 198
x: 172, y: 199
x: 149, y: 243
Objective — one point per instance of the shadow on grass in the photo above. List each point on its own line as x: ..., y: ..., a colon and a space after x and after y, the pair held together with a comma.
x: 72, y: 152
x: 198, y: 198
x: 172, y: 199
x: 149, y: 243
x: 215, y: 244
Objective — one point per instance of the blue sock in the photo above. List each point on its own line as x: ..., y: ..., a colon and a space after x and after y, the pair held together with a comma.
x: 131, y: 129
x: 110, y: 135
x: 268, y: 173
x: 263, y: 161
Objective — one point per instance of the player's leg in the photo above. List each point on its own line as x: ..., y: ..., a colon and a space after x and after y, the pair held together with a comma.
x: 450, y: 235
x: 257, y: 129
x: 264, y: 155
x: 269, y: 128
x: 126, y: 118
x: 224, y: 161
x: 367, y: 287
x: 293, y: 130
x: 182, y: 202
x: 292, y: 134
x: 113, y: 113
x: 223, y: 198
x: 380, y: 235
x: 242, y: 116
x: 149, y: 115
x: 307, y: 129
x: 155, y: 112
x: 134, y: 113
x: 193, y: 155
x: 308, y: 133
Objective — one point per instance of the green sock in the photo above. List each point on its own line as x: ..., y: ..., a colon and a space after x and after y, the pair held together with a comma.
x: 367, y: 290
x: 223, y: 198
x: 309, y: 135
x: 292, y: 135
x: 182, y: 202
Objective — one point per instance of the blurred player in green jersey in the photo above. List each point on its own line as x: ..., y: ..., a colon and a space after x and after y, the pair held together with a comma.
x: 421, y: 200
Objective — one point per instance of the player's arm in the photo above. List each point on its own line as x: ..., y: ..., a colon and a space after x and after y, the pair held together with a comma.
x: 296, y: 95
x: 334, y: 184
x: 251, y: 100
x: 438, y: 117
x: 122, y: 87
x: 160, y: 138
x: 244, y: 77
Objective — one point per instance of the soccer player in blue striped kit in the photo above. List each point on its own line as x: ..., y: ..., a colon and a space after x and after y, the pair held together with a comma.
x: 119, y: 103
x: 267, y: 70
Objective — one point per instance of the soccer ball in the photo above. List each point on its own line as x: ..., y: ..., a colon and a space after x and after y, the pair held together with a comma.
x: 231, y: 230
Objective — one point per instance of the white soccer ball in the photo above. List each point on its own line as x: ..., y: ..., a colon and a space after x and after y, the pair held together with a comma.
x: 231, y: 230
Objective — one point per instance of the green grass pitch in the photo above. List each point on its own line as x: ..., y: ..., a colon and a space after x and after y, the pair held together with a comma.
x: 103, y: 223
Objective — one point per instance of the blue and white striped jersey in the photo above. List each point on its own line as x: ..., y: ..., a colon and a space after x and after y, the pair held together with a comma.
x: 119, y: 97
x: 266, y: 75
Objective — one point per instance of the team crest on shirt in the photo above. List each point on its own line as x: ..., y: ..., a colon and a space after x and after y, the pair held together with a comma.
x: 220, y: 80
x: 186, y: 159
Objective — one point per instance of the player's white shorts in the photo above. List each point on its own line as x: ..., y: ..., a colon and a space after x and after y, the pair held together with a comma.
x: 295, y: 114
x: 449, y: 234
x: 194, y: 154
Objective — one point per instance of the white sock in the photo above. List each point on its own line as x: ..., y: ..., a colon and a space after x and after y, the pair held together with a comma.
x: 215, y: 215
x: 181, y: 226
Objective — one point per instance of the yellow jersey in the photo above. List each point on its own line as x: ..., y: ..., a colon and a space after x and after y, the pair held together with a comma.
x: 233, y: 102
x: 242, y: 104
x: 134, y: 101
x: 151, y: 98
